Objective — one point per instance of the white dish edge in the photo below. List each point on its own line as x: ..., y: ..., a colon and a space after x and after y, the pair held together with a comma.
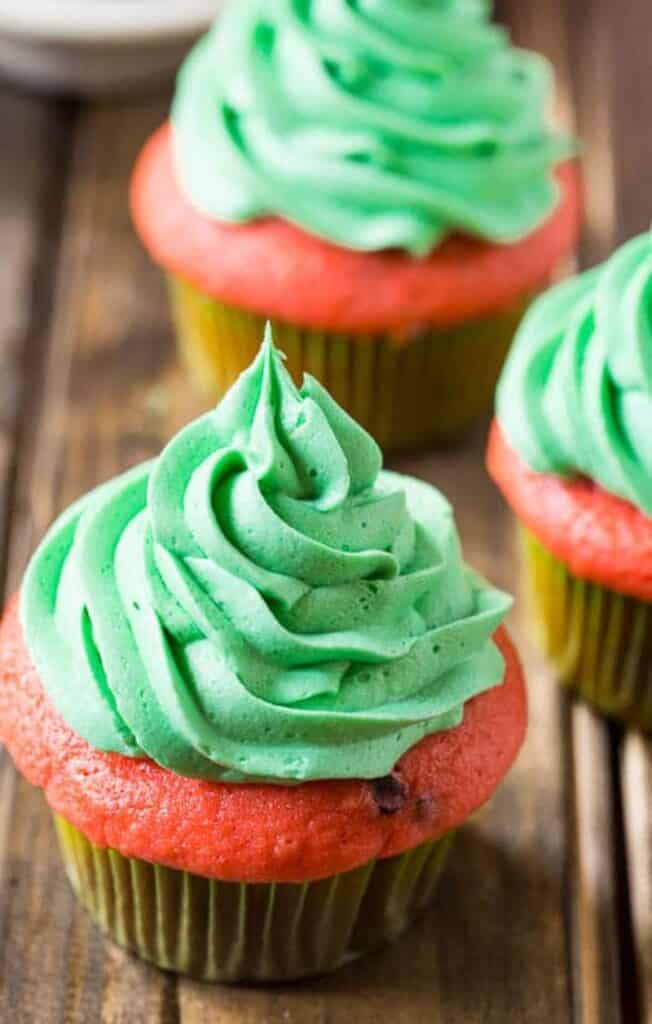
x: 88, y: 22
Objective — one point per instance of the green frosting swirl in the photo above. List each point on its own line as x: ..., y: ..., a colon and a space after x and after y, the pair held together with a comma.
x: 370, y: 123
x: 576, y: 393
x: 261, y: 601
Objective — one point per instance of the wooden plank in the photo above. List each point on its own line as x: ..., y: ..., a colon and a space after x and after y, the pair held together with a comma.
x: 636, y: 769
x: 579, y: 45
x: 592, y: 841
x: 615, y: 88
x: 107, y: 349
x: 612, y: 84
x: 34, y: 141
x: 629, y: 30
x: 592, y: 56
x: 32, y: 135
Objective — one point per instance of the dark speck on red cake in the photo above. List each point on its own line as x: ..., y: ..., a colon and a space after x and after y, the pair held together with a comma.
x: 389, y: 794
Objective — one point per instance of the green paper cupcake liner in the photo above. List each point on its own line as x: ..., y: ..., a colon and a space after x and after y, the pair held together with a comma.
x: 430, y: 388
x: 230, y: 931
x: 599, y: 640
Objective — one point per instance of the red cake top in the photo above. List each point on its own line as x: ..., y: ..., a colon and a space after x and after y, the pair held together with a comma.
x: 314, y: 283
x: 600, y: 537
x: 255, y: 833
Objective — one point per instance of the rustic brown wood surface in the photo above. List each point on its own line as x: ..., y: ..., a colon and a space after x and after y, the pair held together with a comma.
x: 545, y: 913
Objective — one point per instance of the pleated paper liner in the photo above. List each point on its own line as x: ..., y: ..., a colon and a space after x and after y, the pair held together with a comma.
x: 599, y: 640
x: 227, y: 931
x: 430, y: 388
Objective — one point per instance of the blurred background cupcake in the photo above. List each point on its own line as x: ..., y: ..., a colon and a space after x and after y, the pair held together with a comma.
x: 572, y: 452
x: 381, y: 182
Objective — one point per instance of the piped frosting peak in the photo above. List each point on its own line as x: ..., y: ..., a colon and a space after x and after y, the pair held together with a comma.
x: 262, y: 601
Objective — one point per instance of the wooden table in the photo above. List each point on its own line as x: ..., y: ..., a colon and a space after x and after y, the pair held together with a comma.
x: 545, y: 915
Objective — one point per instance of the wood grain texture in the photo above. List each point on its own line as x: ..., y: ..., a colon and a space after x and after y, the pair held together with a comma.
x: 545, y: 912
x: 33, y: 139
x: 610, y: 79
x: 636, y: 777
x: 625, y: 32
x: 592, y: 912
x: 34, y: 135
x: 613, y: 95
x: 105, y: 351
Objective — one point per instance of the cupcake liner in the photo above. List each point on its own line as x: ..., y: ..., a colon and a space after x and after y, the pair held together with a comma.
x: 599, y: 640
x: 428, y: 388
x: 230, y: 931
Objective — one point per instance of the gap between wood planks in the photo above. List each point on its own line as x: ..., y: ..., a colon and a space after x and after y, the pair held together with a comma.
x: 608, y: 811
x: 604, y: 72
x: 33, y: 158
x: 34, y: 164
x: 54, y: 966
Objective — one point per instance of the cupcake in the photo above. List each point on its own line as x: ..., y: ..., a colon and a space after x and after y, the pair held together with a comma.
x: 260, y: 690
x: 379, y: 181
x: 572, y: 452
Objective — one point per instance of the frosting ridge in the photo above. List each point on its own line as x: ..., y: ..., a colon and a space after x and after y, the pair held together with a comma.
x: 262, y: 601
x: 370, y: 123
x: 575, y: 397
